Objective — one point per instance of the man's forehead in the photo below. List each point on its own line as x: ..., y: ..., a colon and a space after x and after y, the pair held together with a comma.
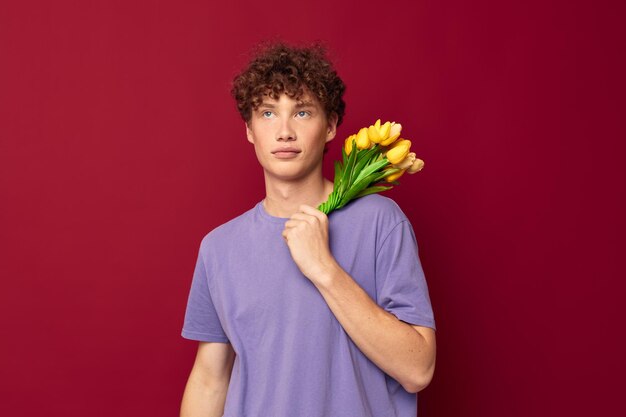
x: 305, y: 99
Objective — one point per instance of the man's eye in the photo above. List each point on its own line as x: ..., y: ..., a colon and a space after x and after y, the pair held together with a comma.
x: 303, y: 113
x: 266, y: 113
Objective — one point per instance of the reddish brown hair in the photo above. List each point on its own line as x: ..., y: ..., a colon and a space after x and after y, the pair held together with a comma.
x: 277, y: 68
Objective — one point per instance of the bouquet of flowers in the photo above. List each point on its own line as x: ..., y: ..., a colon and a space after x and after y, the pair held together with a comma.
x: 373, y: 157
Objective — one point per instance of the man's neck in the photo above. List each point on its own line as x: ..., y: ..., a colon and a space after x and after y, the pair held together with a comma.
x: 283, y: 198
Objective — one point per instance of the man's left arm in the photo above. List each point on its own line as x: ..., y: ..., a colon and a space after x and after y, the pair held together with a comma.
x: 403, y: 351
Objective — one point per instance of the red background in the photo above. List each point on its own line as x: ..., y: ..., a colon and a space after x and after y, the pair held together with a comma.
x: 120, y: 148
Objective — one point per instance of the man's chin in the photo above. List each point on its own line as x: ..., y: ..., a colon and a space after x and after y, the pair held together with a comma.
x: 287, y: 176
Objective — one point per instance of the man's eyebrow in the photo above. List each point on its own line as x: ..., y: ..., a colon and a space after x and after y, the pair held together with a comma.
x: 298, y: 105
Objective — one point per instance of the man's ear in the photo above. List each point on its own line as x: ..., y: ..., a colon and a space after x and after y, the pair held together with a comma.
x: 249, y: 133
x: 332, y: 127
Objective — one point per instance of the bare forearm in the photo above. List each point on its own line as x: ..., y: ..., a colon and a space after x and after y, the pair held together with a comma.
x: 203, y: 399
x: 394, y: 346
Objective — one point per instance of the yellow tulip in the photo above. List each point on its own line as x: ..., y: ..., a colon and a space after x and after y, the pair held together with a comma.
x: 377, y: 132
x: 398, y: 151
x: 417, y: 165
x: 348, y: 144
x: 395, y: 176
x: 399, y: 142
x: 406, y: 162
x: 394, y: 133
x: 362, y: 140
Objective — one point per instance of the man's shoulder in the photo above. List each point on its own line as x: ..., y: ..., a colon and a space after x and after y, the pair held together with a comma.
x: 374, y: 206
x: 229, y: 230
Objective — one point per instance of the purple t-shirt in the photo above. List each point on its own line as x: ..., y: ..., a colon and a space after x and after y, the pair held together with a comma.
x: 293, y: 358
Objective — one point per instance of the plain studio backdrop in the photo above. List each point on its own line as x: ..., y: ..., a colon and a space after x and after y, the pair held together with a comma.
x: 120, y: 148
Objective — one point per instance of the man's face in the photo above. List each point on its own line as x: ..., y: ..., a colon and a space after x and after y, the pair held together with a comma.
x: 289, y: 136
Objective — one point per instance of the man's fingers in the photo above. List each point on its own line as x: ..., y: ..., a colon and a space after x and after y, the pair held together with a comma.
x: 313, y: 212
x: 305, y: 217
x: 300, y: 216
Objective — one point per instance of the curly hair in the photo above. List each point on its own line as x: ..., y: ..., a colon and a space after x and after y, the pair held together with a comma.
x: 277, y: 68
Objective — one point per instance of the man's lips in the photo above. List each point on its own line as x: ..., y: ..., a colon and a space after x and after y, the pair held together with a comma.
x: 286, y: 153
x: 286, y: 150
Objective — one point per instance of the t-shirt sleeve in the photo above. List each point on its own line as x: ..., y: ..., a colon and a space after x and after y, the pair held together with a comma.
x: 401, y: 286
x: 201, y: 319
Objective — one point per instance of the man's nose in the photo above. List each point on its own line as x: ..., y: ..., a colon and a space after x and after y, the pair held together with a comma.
x: 286, y: 131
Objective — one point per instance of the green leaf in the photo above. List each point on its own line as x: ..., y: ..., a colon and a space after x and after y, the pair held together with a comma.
x: 366, y: 158
x: 372, y: 190
x: 371, y: 169
x: 337, y: 175
x: 348, y: 169
x: 386, y: 173
x: 358, y: 186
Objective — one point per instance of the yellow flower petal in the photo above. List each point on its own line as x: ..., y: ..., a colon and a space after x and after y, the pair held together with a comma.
x: 348, y: 144
x: 406, y: 162
x: 395, y: 176
x: 417, y: 165
x: 362, y: 139
x: 401, y: 142
x: 384, y: 130
x: 377, y: 132
x: 394, y: 133
x: 373, y: 134
x: 398, y: 151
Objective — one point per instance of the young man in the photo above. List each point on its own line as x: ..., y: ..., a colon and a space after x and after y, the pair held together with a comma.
x: 299, y: 314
